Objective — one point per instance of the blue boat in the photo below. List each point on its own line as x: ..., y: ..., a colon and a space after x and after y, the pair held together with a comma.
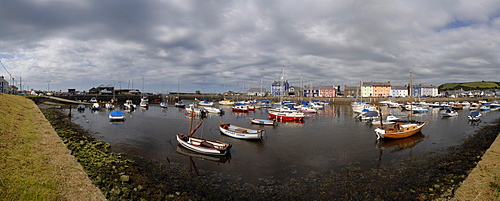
x: 116, y: 116
x: 474, y: 116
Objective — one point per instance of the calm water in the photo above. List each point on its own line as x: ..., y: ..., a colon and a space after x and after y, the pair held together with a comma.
x: 324, y: 142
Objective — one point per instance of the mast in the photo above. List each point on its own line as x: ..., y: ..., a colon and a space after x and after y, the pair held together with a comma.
x: 411, y: 97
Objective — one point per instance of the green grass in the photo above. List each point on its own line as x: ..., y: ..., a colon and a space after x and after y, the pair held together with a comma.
x: 24, y: 173
x: 470, y: 86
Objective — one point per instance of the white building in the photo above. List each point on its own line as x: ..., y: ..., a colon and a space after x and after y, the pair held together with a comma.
x: 399, y: 91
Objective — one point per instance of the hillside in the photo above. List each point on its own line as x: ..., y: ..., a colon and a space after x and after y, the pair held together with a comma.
x: 470, y: 86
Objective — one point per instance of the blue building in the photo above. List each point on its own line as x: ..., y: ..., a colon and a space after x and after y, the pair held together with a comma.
x: 278, y: 88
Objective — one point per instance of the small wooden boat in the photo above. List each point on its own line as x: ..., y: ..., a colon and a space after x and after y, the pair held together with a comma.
x: 263, y: 121
x: 240, y: 132
x: 202, y: 146
x: 116, y: 116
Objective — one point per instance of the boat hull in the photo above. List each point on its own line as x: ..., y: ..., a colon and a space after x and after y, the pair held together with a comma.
x: 194, y: 144
x: 240, y: 132
x: 285, y: 116
x: 263, y: 121
x: 384, y: 133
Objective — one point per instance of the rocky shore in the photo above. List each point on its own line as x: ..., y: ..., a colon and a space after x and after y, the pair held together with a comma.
x: 432, y: 176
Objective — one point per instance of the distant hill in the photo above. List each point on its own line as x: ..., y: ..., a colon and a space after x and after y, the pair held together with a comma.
x: 470, y: 86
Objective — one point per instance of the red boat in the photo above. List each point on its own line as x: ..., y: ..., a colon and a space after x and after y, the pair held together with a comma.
x: 287, y: 115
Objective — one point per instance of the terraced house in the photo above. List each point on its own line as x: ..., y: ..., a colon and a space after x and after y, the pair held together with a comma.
x: 376, y: 89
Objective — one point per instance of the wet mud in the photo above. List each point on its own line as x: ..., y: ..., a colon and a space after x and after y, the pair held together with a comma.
x: 428, y: 176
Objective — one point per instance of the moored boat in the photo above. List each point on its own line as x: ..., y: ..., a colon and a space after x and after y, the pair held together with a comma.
x: 474, y: 116
x: 116, y: 116
x: 202, y: 146
x: 240, y: 132
x: 450, y: 113
x: 263, y: 121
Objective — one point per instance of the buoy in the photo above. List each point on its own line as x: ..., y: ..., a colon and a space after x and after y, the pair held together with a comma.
x: 88, y: 121
x: 164, y: 114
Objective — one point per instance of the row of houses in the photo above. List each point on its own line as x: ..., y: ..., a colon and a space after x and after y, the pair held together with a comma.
x: 366, y: 89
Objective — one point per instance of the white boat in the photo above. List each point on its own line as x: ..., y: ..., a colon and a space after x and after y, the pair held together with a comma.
x: 240, y: 132
x: 240, y: 108
x: 474, y: 116
x: 206, y: 103
x: 179, y: 104
x: 263, y: 121
x: 95, y: 106
x: 226, y: 102
x: 129, y: 105
x: 116, y: 116
x: 191, y: 109
x: 474, y: 106
x: 164, y: 104
x: 450, y: 113
x: 110, y: 106
x: 144, y: 102
x: 484, y: 108
x: 390, y: 119
x: 202, y: 146
x: 213, y: 110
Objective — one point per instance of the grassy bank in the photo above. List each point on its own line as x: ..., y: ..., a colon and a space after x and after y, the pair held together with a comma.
x: 34, y: 163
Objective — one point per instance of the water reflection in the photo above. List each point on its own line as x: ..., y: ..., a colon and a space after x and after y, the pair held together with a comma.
x: 328, y: 141
x: 398, y: 145
x: 191, y: 154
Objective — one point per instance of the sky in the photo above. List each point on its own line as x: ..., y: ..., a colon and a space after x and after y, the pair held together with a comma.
x: 162, y: 46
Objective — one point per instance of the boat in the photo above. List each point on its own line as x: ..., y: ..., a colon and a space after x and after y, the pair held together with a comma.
x: 179, y: 104
x: 95, y: 106
x: 116, y: 116
x: 163, y: 104
x: 206, y: 103
x: 457, y: 106
x: 213, y: 110
x: 484, y: 107
x: 450, y: 113
x: 263, y: 121
x: 80, y: 107
x: 191, y: 109
x: 240, y: 132
x: 474, y: 116
x: 226, y: 102
x: 368, y: 116
x: 474, y: 106
x: 240, y: 108
x: 109, y: 106
x: 129, y: 105
x: 390, y: 119
x: 401, y: 129
x: 289, y: 115
x: 200, y: 145
x: 494, y: 104
x: 144, y: 102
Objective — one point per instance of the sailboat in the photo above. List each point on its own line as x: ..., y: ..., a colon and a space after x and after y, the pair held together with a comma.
x: 285, y: 115
x: 178, y: 102
x: 401, y: 130
x: 200, y: 145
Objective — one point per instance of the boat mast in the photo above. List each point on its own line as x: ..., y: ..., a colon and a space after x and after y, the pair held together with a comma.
x: 411, y: 97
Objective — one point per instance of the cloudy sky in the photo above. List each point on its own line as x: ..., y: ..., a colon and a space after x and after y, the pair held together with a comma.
x: 212, y: 45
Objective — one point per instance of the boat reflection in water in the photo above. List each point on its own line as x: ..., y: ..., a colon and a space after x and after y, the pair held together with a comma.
x: 218, y: 159
x: 397, y: 145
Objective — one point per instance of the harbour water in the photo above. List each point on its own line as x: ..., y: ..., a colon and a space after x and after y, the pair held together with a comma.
x: 324, y: 142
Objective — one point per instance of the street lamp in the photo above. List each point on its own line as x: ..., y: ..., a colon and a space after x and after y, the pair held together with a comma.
x: 48, y: 85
